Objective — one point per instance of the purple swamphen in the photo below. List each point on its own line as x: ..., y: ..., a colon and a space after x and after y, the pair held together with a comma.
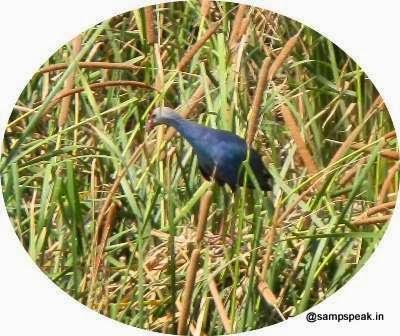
x: 220, y: 153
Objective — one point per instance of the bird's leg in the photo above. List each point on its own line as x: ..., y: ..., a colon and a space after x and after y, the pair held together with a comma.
x: 214, y: 174
x: 225, y: 225
x: 204, y: 173
x: 223, y: 221
x: 249, y: 198
x: 235, y: 205
x: 220, y: 237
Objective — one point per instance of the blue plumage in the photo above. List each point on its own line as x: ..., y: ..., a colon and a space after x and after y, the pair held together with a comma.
x: 220, y: 153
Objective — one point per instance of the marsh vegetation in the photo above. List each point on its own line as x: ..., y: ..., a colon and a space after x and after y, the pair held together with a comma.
x: 121, y: 218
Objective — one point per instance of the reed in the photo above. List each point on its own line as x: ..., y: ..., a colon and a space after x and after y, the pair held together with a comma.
x: 189, y: 54
x: 96, y: 86
x: 89, y: 65
x: 69, y: 84
x: 205, y: 7
x: 388, y: 183
x: 371, y: 220
x: 236, y: 25
x: 151, y: 37
x: 205, y: 204
x: 298, y: 140
x: 282, y: 56
x: 220, y: 306
x: 120, y: 217
x: 188, y: 292
x: 257, y: 100
x: 99, y: 254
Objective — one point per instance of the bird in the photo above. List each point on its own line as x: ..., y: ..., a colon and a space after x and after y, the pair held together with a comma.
x: 220, y: 153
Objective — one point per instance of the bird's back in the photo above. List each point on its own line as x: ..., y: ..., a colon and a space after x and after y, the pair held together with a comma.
x: 221, y: 154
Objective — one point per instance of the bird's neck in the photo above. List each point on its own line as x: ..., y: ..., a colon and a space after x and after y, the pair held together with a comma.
x: 186, y: 128
x: 175, y: 121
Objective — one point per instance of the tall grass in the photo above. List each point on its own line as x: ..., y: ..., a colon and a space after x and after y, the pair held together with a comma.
x: 121, y: 219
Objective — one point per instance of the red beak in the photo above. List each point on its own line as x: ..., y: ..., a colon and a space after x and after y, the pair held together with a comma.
x: 150, y: 124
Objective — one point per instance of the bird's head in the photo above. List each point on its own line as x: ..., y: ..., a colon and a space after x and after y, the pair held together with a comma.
x: 160, y: 115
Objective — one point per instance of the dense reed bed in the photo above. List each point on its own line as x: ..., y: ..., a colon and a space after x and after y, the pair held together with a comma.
x: 121, y: 219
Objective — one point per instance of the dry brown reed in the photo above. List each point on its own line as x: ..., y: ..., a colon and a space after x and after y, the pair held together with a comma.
x: 226, y: 322
x: 380, y: 208
x: 205, y: 7
x: 390, y: 135
x: 149, y: 22
x: 202, y: 317
x: 387, y: 183
x: 372, y: 220
x: 189, y: 54
x: 301, y: 145
x: 99, y: 251
x: 99, y: 86
x: 90, y: 65
x: 116, y: 184
x: 267, y: 293
x: 350, y: 173
x: 301, y: 197
x: 377, y: 104
x: 192, y: 326
x: 282, y: 56
x: 290, y: 276
x: 188, y: 292
x: 69, y: 84
x: 243, y: 27
x: 257, y: 100
x: 203, y: 214
x: 387, y: 153
x: 236, y: 25
x: 205, y: 203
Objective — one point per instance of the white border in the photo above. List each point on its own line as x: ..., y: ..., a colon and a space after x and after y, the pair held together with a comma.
x: 31, y: 303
